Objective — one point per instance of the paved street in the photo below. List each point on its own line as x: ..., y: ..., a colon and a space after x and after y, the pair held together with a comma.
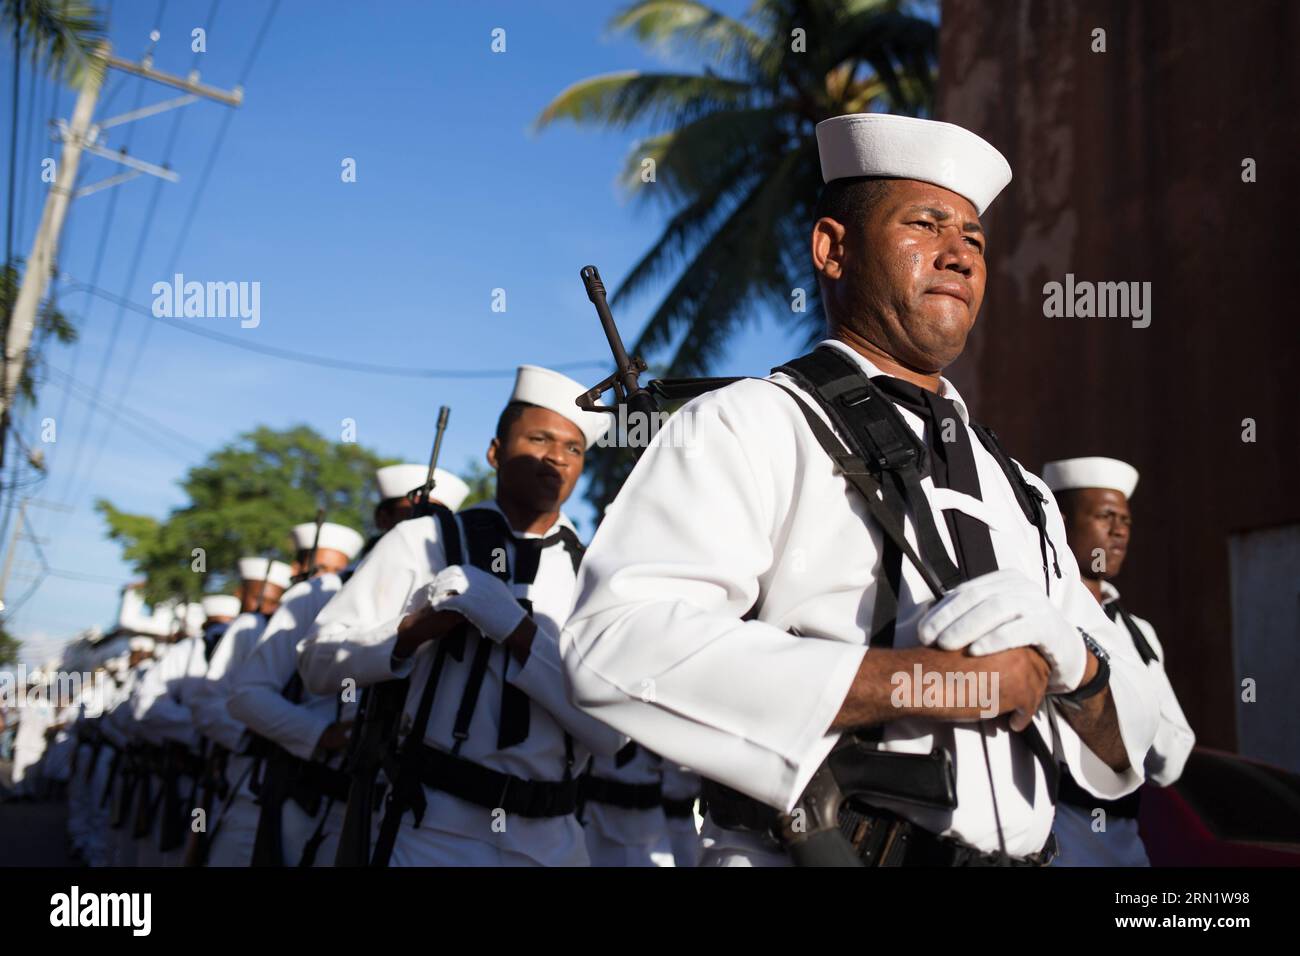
x: 31, y: 834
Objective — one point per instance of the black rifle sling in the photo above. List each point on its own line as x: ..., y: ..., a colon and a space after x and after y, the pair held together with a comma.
x: 487, y: 534
x: 1030, y: 499
x: 406, y: 791
x: 1114, y: 609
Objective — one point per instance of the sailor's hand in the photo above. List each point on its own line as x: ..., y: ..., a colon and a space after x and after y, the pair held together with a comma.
x: 334, y: 737
x: 1001, y: 611
x: 482, y: 598
x: 1022, y: 683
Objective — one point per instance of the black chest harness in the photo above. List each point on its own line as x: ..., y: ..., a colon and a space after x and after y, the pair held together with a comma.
x: 882, y: 458
x: 416, y: 764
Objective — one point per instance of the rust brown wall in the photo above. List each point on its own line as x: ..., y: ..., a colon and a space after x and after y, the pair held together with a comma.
x: 1128, y: 168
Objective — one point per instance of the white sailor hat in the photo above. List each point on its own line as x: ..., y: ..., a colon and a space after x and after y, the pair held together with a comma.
x: 255, y: 569
x: 1070, y: 473
x: 396, y: 481
x: 335, y: 537
x: 559, y: 393
x: 220, y: 605
x: 141, y: 644
x: 904, y: 147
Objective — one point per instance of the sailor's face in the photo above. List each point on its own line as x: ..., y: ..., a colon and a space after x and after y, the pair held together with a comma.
x: 250, y: 591
x: 1097, y: 525
x: 541, y: 460
x: 329, y: 561
x: 917, y: 263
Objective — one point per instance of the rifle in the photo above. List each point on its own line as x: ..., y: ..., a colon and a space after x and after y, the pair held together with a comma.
x: 817, y: 839
x: 261, y: 588
x: 209, y: 788
x: 379, y: 715
x: 310, y: 567
x: 424, y: 496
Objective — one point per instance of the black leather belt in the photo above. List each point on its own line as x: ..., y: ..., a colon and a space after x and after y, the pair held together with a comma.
x: 880, y: 837
x: 679, y: 809
x: 313, y: 781
x: 615, y: 793
x: 488, y: 788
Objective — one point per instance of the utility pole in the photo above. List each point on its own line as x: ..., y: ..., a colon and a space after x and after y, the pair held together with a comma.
x: 83, y: 136
x: 30, y: 536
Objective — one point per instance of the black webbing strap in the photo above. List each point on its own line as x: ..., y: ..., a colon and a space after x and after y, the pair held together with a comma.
x: 875, y: 431
x: 1030, y: 499
x: 857, y: 474
x: 883, y: 441
x: 407, y: 791
x: 1114, y: 609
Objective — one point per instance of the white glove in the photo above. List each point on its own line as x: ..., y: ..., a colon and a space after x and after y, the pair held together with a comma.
x: 1003, y: 610
x: 481, y: 598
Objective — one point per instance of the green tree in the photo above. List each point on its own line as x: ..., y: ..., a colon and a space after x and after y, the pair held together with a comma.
x: 58, y: 35
x: 50, y: 324
x: 731, y: 153
x: 9, y: 647
x: 482, y: 482
x: 244, y: 500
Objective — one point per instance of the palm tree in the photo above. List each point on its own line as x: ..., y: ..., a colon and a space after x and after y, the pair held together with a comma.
x: 735, y: 157
x: 734, y: 151
x: 59, y: 36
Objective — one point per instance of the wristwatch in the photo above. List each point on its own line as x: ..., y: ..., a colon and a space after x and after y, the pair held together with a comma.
x: 1099, y: 679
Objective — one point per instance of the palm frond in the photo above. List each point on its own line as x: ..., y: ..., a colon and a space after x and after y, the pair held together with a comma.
x: 686, y: 24
x: 656, y: 99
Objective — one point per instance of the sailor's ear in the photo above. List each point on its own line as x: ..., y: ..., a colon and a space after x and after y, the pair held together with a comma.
x: 494, y: 448
x: 828, y: 247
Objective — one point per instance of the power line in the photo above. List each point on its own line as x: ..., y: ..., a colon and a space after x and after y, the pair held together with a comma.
x: 305, y: 358
x: 145, y: 427
x: 63, y: 380
x: 133, y: 365
x: 112, y: 343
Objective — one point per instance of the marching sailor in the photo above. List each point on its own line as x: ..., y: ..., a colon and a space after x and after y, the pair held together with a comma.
x: 164, y: 717
x: 397, y: 487
x: 262, y: 583
x: 290, y: 728
x: 764, y: 613
x: 1093, y: 495
x: 128, y: 781
x: 469, y: 607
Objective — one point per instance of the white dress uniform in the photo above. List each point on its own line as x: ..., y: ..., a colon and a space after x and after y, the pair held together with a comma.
x: 681, y: 796
x: 354, y: 638
x: 1120, y: 844
x: 163, y: 718
x: 725, y: 604
x: 34, y: 717
x: 232, y: 838
x: 119, y: 726
x: 99, y: 848
x: 90, y: 703
x: 625, y: 835
x: 257, y: 700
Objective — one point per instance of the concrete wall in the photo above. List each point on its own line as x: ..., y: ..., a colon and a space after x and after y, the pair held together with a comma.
x: 1128, y: 167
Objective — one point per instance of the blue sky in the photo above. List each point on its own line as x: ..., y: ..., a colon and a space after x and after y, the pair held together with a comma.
x: 455, y: 196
